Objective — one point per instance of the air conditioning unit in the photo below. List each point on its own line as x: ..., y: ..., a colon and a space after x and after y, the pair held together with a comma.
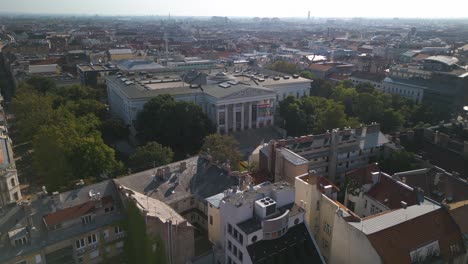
x: 265, y: 207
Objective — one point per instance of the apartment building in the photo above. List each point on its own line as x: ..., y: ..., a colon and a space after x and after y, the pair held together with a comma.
x: 330, y: 154
x: 163, y: 222
x: 183, y: 186
x: 344, y: 236
x: 260, y: 225
x: 9, y: 184
x: 78, y: 226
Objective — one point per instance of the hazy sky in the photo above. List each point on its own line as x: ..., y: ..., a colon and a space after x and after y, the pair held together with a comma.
x: 261, y: 8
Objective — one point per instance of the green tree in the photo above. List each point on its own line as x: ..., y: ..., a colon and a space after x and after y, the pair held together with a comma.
x: 284, y: 67
x: 179, y: 125
x: 41, y: 84
x: 76, y: 146
x: 398, y: 161
x: 367, y: 107
x: 307, y: 75
x: 31, y: 110
x: 150, y: 155
x: 138, y: 246
x: 331, y: 115
x: 391, y: 121
x: 321, y: 88
x: 223, y: 148
x: 113, y: 130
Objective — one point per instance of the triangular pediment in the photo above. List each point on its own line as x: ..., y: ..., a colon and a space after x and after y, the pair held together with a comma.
x: 248, y: 92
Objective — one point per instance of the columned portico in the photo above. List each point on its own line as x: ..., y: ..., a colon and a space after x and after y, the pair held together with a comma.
x: 242, y: 116
x: 250, y: 115
x: 234, y: 123
x: 226, y: 120
x: 218, y: 130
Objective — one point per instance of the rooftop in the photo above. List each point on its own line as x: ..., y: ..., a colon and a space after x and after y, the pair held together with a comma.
x: 296, y: 246
x: 197, y: 177
x: 249, y: 196
x: 14, y: 218
x: 120, y: 51
x: 387, y: 219
x: 414, y: 224
x: 449, y: 61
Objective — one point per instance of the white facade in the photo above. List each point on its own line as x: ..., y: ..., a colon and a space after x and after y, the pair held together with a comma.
x: 259, y: 213
x: 406, y: 90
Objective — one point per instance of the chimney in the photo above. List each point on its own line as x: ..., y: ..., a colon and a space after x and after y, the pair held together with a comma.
x: 419, y: 195
x: 56, y: 199
x: 327, y: 190
x: 375, y: 177
x: 404, y: 205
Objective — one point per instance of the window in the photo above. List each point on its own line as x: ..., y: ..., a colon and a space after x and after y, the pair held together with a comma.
x: 16, y: 196
x: 118, y: 230
x: 235, y: 233
x: 318, y: 205
x: 241, y: 239
x: 327, y: 228
x: 229, y: 260
x: 365, y: 203
x: 229, y: 245
x: 38, y: 259
x: 80, y: 243
x: 230, y: 229
x: 13, y: 182
x: 211, y: 220
x: 192, y: 201
x: 20, y: 241
x: 240, y: 256
x: 324, y: 244
x: 375, y: 210
x: 92, y: 239
x: 254, y: 239
x: 105, y: 234
x: 86, y: 219
x: 234, y: 250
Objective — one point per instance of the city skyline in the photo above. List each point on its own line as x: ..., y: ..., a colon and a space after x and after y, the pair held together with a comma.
x: 242, y: 8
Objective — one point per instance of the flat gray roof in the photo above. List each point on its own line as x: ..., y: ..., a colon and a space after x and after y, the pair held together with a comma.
x: 388, y: 219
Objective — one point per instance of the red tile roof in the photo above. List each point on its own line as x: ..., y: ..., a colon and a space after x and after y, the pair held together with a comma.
x: 391, y: 192
x: 395, y: 244
x: 320, y: 67
x: 76, y: 211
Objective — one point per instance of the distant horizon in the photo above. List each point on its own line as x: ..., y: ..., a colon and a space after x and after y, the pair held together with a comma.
x: 293, y: 9
x: 25, y: 14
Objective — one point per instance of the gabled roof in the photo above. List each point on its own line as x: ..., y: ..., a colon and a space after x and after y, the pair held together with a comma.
x: 320, y: 67
x: 391, y: 193
x: 198, y: 178
x: 73, y: 212
x: 395, y: 243
x: 459, y: 212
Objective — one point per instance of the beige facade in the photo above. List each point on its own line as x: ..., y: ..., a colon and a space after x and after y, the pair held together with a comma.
x: 9, y: 184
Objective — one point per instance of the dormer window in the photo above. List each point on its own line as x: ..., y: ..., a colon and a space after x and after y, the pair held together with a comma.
x: 20, y: 241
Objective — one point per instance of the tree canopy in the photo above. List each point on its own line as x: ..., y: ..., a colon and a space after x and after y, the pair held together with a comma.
x: 398, y: 161
x: 334, y: 106
x: 179, y: 125
x: 63, y: 124
x: 222, y: 149
x: 150, y: 155
x: 284, y: 67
